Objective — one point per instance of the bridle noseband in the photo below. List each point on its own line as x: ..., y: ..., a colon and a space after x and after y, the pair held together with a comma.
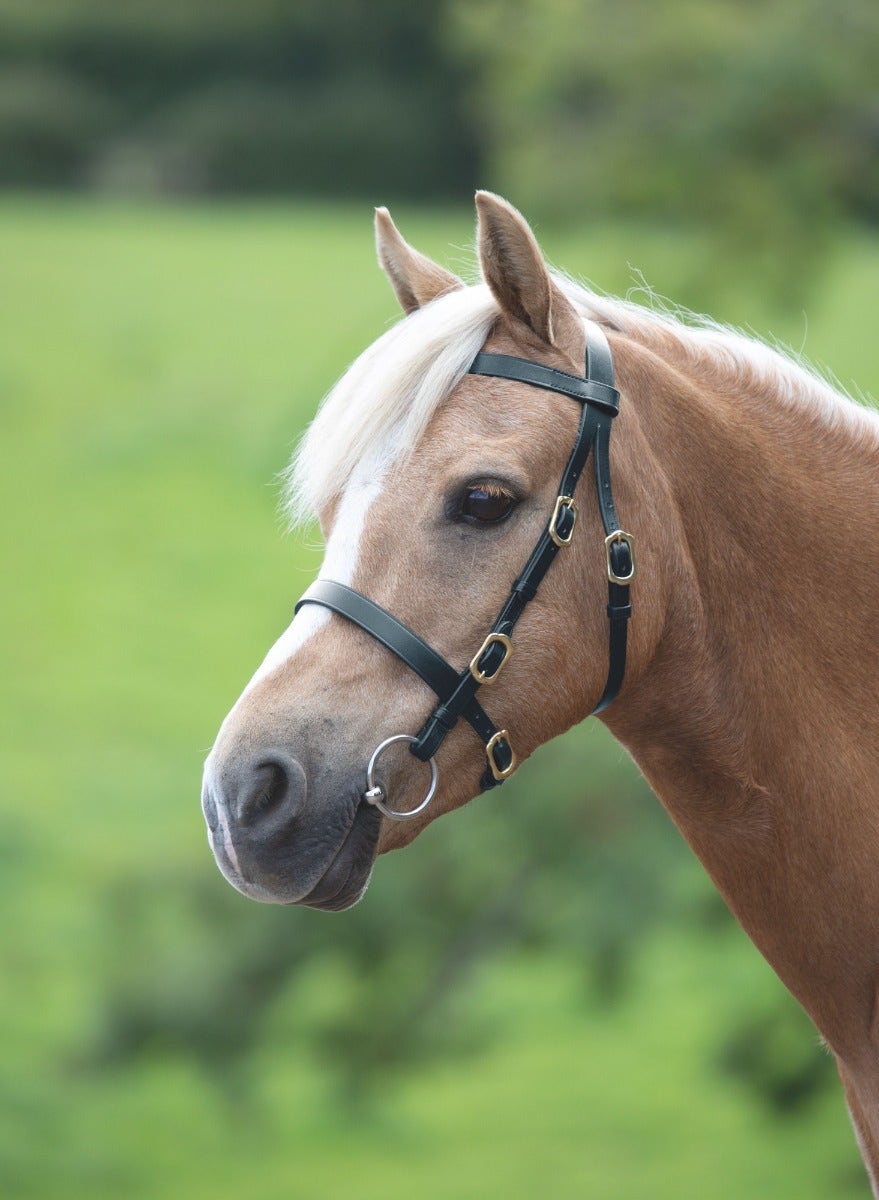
x: 457, y: 690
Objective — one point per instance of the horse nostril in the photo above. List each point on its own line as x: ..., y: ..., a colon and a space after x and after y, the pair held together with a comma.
x: 267, y: 789
x: 272, y: 791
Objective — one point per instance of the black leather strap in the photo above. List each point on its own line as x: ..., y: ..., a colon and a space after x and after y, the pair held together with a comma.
x: 599, y: 360
x: 619, y: 556
x: 588, y: 391
x: 402, y: 641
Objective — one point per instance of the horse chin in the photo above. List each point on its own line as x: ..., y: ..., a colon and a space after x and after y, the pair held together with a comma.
x: 347, y: 877
x: 340, y: 884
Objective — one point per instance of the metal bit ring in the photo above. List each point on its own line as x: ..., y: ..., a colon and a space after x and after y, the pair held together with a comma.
x: 375, y: 794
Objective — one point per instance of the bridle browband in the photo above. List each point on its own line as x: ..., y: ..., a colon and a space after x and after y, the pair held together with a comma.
x: 457, y: 690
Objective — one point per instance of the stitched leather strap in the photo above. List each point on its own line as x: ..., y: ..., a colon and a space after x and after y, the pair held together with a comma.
x: 599, y: 360
x: 619, y: 609
x: 587, y: 391
x: 402, y: 641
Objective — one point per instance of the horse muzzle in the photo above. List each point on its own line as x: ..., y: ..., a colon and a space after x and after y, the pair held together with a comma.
x: 276, y: 840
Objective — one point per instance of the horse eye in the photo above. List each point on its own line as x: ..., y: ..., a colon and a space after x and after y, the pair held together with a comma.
x: 487, y: 503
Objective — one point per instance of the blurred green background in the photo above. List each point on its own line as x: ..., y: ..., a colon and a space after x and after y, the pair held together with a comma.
x: 543, y: 995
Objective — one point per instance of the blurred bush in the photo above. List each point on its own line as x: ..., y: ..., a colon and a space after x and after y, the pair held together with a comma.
x: 773, y: 1051
x: 207, y: 95
x: 756, y: 122
x: 50, y: 122
x: 252, y: 137
x: 682, y: 109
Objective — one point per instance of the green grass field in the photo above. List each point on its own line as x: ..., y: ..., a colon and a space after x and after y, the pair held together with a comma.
x: 156, y: 366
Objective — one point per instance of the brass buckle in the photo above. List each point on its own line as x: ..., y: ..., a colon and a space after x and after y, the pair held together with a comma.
x: 493, y: 639
x: 499, y: 774
x: 562, y: 502
x: 619, y: 537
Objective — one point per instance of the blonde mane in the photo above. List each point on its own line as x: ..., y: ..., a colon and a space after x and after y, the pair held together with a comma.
x: 383, y: 403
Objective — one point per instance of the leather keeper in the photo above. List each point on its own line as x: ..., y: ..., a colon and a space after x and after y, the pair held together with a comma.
x: 619, y: 612
x: 524, y: 589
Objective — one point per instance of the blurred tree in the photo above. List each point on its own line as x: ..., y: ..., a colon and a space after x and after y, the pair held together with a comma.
x: 49, y: 121
x: 757, y: 121
x: 330, y: 97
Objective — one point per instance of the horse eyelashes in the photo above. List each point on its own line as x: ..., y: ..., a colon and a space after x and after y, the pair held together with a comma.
x: 486, y: 504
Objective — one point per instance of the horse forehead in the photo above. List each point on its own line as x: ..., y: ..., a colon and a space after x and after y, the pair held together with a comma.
x: 478, y: 408
x: 486, y: 416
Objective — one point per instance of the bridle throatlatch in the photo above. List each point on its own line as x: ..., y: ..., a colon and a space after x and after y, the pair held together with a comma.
x: 457, y: 690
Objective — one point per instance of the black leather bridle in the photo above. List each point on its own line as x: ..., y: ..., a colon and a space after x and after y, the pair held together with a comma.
x: 457, y: 690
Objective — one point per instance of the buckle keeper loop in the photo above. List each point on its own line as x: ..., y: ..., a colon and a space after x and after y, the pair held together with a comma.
x: 527, y: 590
x: 619, y: 612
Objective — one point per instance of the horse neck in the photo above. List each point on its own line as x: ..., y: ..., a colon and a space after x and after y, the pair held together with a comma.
x: 755, y: 717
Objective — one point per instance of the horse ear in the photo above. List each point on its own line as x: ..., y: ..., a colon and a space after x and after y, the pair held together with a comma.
x: 414, y: 278
x: 514, y: 269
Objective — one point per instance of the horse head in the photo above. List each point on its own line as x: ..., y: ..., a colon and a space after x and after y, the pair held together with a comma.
x: 433, y: 485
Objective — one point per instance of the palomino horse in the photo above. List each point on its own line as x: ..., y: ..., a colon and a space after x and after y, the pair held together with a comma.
x: 746, y: 677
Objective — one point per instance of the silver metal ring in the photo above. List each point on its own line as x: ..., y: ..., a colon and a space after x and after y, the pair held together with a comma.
x: 374, y: 791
